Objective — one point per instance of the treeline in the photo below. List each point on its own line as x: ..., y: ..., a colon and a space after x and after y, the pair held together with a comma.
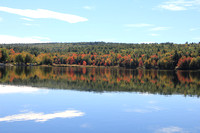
x: 104, y: 79
x: 159, y: 56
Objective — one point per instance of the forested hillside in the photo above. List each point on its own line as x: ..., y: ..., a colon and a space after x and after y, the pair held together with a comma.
x: 159, y: 56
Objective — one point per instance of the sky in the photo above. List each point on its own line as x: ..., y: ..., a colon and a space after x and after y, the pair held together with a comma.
x: 128, y: 21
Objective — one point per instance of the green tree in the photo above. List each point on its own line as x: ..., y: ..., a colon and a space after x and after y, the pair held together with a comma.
x: 4, y: 55
x: 19, y: 59
x: 28, y: 59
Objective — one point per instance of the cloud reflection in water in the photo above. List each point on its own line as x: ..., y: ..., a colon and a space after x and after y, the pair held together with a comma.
x: 41, y: 117
x: 9, y: 89
x: 172, y: 129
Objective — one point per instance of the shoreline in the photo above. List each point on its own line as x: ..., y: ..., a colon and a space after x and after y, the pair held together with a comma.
x: 89, y: 66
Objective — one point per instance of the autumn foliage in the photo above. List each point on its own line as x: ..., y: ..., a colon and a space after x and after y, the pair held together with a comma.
x: 151, y: 56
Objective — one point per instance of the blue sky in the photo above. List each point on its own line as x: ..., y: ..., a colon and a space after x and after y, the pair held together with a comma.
x: 130, y: 21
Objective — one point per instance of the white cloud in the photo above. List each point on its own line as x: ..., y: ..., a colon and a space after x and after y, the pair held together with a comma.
x: 172, y: 7
x: 154, y: 34
x: 42, y: 13
x: 138, y: 25
x: 88, y: 7
x: 41, y: 38
x: 171, y: 129
x: 159, y: 28
x: 196, y: 38
x: 13, y: 39
x: 27, y: 19
x: 27, y: 24
x: 180, y: 5
x: 41, y: 117
x: 194, y: 29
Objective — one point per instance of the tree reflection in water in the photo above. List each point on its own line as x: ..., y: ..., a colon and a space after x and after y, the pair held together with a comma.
x: 104, y: 79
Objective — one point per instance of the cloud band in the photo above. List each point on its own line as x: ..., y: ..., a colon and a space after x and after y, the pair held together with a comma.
x: 42, y: 13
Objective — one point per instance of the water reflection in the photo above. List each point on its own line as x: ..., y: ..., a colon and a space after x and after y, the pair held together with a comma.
x: 148, y: 109
x: 172, y: 129
x: 41, y: 117
x: 8, y: 89
x: 104, y: 79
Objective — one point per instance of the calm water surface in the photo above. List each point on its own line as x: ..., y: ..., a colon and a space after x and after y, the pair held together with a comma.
x: 98, y: 100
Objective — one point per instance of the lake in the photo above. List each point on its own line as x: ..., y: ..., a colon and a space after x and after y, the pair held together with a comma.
x: 98, y: 100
